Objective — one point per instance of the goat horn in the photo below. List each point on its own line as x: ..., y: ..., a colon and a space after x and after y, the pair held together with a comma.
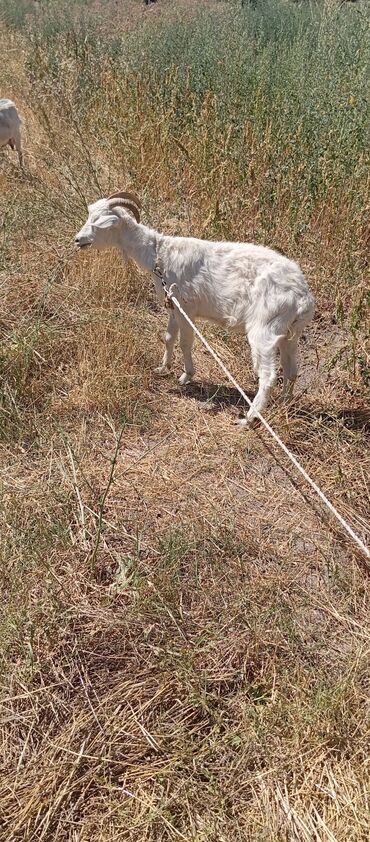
x: 125, y: 203
x: 122, y: 194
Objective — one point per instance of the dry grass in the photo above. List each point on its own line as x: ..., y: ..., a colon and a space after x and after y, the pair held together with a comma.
x: 185, y: 635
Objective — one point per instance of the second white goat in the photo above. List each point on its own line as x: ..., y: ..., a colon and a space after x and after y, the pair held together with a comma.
x: 10, y: 124
x: 244, y: 287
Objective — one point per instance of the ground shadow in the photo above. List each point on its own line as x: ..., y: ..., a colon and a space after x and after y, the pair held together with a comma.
x: 218, y: 397
x: 352, y: 419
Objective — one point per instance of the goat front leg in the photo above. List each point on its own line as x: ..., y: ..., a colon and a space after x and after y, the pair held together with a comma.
x: 170, y: 339
x: 186, y: 344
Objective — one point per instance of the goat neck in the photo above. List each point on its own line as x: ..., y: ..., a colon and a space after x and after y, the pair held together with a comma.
x: 139, y: 242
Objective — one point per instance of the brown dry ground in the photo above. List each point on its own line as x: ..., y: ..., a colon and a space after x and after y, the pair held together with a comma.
x: 184, y: 648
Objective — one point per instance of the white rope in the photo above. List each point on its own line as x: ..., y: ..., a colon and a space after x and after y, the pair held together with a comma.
x: 274, y: 435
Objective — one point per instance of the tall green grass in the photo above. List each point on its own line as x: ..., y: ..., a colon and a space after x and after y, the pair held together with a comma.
x: 299, y: 71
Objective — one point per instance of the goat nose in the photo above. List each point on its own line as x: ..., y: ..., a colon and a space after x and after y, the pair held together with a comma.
x: 77, y: 239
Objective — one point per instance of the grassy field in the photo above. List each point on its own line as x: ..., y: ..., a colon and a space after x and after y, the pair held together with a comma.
x: 184, y: 632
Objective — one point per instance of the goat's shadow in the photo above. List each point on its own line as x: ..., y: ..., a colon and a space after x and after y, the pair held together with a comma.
x: 217, y: 397
x: 352, y: 419
x: 220, y: 397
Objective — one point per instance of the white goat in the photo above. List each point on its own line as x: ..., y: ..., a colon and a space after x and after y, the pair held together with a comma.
x: 10, y: 123
x: 247, y: 288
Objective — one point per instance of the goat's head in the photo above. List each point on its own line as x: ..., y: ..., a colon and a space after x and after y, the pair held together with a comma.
x: 104, y: 216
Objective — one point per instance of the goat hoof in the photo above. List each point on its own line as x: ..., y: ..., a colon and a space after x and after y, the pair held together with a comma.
x: 247, y: 423
x: 185, y: 379
x: 161, y: 371
x: 283, y: 398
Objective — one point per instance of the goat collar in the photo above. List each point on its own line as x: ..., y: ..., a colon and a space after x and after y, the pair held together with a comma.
x: 159, y: 274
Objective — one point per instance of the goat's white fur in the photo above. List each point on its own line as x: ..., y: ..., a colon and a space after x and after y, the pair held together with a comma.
x: 10, y: 123
x: 244, y: 287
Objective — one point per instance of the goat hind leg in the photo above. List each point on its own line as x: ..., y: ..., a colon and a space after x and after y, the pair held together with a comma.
x: 18, y: 146
x: 288, y: 354
x: 263, y: 347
